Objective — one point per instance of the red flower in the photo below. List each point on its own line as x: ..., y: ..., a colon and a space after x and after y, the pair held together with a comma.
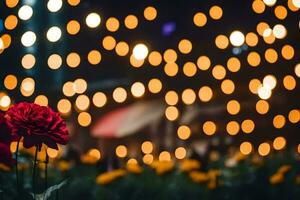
x: 5, y: 155
x: 5, y: 136
x: 37, y: 125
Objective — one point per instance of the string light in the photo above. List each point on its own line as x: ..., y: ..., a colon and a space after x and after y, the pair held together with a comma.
x: 28, y: 61
x: 155, y: 85
x: 10, y: 82
x: 93, y: 20
x: 119, y: 95
x: 246, y: 148
x: 54, y: 5
x: 121, y: 151
x: 209, y: 128
x: 203, y: 62
x: 54, y: 61
x: 112, y: 24
x: 64, y: 106
x: 264, y: 149
x: 270, y: 2
x: 294, y: 116
x: 172, y: 113
x: 84, y: 119
x: 41, y: 100
x: 164, y: 156
x: 131, y: 22
x: 184, y: 132
x: 147, y: 147
x: 279, y: 31
x: 54, y: 34
x: 269, y: 82
x: 140, y: 51
x: 25, y: 12
x: 205, y: 93
x: 28, y: 38
x: 171, y: 98
x: 296, y: 3
x: 200, y: 19
x: 264, y: 92
x: 99, y: 99
x: 180, y: 153
x: 138, y: 89
x: 237, y: 38
x: 150, y: 13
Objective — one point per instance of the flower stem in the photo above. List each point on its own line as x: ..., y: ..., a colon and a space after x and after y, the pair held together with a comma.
x: 17, y: 170
x: 34, y: 173
x: 46, y: 171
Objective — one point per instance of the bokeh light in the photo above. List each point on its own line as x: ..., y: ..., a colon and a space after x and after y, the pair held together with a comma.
x: 93, y: 20
x: 25, y: 12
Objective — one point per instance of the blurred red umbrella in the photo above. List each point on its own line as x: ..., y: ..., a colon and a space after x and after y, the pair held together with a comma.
x: 128, y: 120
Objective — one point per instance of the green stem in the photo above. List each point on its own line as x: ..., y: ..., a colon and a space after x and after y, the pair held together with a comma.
x: 46, y: 171
x: 34, y: 173
x: 56, y: 195
x: 17, y: 170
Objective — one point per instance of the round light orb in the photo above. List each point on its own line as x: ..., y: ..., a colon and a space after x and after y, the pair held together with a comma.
x: 1, y: 44
x: 270, y: 2
x: 140, y: 51
x: 5, y: 101
x: 25, y: 12
x: 28, y: 39
x: 93, y: 20
x: 269, y: 82
x: 264, y: 92
x: 54, y: 5
x: 296, y: 3
x: 54, y: 34
x: 237, y: 38
x: 279, y: 31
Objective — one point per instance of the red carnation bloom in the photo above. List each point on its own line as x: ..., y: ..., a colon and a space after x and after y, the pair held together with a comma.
x: 37, y: 125
x: 5, y: 136
x: 5, y: 155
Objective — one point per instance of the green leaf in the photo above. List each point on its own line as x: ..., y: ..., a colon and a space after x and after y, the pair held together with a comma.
x: 47, y: 194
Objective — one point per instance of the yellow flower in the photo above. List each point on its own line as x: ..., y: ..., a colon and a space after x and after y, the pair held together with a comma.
x: 4, y: 168
x: 212, y: 184
x: 64, y: 165
x: 198, y: 177
x: 23, y: 166
x: 108, y: 177
x: 213, y: 174
x: 214, y: 156
x: 298, y: 179
x: 239, y: 156
x: 134, y: 168
x: 189, y: 165
x: 284, y: 169
x: 88, y: 159
x: 257, y: 160
x: 164, y: 167
x: 276, y: 178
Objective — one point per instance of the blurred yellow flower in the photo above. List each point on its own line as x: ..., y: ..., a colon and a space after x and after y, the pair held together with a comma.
x: 134, y: 168
x: 276, y: 178
x: 189, y: 165
x: 298, y: 179
x: 108, y: 177
x: 88, y: 159
x: 284, y: 169
x: 23, y: 166
x: 198, y: 177
x: 64, y: 165
x: 162, y: 167
x: 212, y: 184
x: 239, y: 156
x: 4, y: 168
